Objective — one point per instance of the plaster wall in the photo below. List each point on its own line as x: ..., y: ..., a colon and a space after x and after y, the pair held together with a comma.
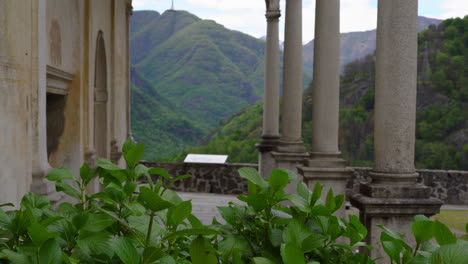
x: 66, y: 56
x: 35, y: 36
x: 16, y: 69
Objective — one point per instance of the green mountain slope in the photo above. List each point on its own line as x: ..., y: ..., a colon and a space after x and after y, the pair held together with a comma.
x: 163, y: 130
x: 442, y: 117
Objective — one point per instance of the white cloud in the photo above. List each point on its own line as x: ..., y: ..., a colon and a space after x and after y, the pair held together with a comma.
x: 455, y: 8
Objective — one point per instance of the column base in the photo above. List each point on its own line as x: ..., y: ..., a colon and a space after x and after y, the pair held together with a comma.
x: 290, y: 161
x: 393, y: 213
x: 266, y: 161
x: 291, y: 146
x: 40, y: 185
x: 328, y: 169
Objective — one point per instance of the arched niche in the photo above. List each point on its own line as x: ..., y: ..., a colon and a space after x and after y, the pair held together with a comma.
x: 100, y: 99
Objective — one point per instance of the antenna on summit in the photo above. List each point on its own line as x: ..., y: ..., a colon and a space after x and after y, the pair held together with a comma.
x: 172, y: 6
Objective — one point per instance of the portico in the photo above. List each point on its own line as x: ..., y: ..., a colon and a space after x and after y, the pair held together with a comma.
x: 395, y: 195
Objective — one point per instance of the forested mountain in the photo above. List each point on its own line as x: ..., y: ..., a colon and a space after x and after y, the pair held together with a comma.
x: 442, y: 107
x: 203, y: 70
x: 199, y: 72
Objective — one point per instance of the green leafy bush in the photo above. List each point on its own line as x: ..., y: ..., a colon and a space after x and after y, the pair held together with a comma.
x: 134, y: 223
x: 125, y: 223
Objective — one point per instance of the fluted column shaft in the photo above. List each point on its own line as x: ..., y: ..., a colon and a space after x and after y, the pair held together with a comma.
x: 291, y: 111
x: 272, y: 66
x: 395, y: 92
x: 326, y: 84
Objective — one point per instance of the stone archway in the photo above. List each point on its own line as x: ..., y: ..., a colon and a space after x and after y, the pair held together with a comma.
x: 100, y: 100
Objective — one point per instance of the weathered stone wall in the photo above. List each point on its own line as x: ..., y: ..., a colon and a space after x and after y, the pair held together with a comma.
x: 449, y: 186
x: 209, y: 178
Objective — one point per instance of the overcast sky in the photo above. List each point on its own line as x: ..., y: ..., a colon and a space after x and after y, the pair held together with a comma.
x: 248, y: 16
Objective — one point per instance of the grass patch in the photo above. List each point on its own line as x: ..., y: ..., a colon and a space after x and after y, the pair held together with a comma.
x: 456, y: 219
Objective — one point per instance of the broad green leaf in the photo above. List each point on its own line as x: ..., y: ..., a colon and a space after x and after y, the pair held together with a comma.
x: 152, y: 201
x: 316, y: 193
x: 66, y: 229
x: 98, y: 222
x: 195, y: 222
x: 50, y: 252
x: 191, y: 232
x: 115, y: 192
x: 260, y: 260
x: 229, y: 214
x: 391, y: 233
x: 179, y: 178
x: 172, y: 197
x: 151, y: 254
x: 252, y: 175
x: 161, y: 172
x: 178, y: 213
x: 130, y: 188
x: 86, y: 173
x: 299, y: 202
x: 443, y: 235
x: 60, y: 174
x: 68, y: 189
x: 101, y: 243
x: 422, y: 230
x: 466, y: 228
x: 339, y: 200
x: 5, y: 220
x: 356, y: 223
x: 126, y: 251
x: 40, y: 234
x: 257, y: 201
x: 167, y: 260
x: 128, y: 145
x: 107, y: 164
x: 232, y: 244
x: 202, y: 253
x: 141, y: 170
x: 15, y: 258
x: 312, y: 242
x: 292, y: 254
x: 450, y: 254
x: 330, y: 201
x: 276, y: 236
x: 295, y: 233
x: 278, y: 179
x: 134, y: 155
x: 393, y: 248
x: 303, y: 191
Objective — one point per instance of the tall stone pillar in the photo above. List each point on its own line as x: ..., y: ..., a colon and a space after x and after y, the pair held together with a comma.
x: 291, y: 151
x: 270, y: 135
x: 326, y: 165
x: 395, y: 193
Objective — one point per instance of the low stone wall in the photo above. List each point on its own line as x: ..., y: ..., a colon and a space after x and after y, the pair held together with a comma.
x: 207, y: 178
x: 449, y: 186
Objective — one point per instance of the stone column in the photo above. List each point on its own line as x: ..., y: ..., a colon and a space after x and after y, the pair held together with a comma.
x: 291, y: 151
x: 270, y: 135
x: 395, y: 194
x: 326, y: 165
x: 129, y: 13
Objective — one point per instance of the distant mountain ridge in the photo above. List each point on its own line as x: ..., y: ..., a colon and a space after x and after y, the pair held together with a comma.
x: 201, y: 72
x: 356, y: 45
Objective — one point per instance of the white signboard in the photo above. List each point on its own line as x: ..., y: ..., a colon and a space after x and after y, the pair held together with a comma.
x: 201, y: 158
